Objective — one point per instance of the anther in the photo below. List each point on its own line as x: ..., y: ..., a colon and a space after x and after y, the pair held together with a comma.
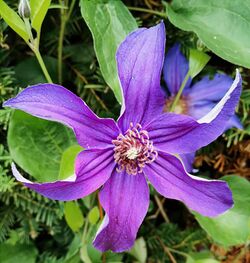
x: 133, y: 150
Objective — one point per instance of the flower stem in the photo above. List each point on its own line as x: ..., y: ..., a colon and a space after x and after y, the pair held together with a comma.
x: 99, y: 206
x: 34, y: 46
x: 177, y: 97
x: 42, y: 65
x: 64, y: 18
x: 149, y: 11
x: 28, y: 28
x: 60, y: 48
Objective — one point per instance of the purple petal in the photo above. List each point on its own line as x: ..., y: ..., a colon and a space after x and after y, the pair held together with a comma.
x: 234, y: 122
x: 92, y: 167
x: 210, y: 89
x: 168, y: 176
x: 198, y: 111
x: 53, y: 102
x: 182, y: 134
x: 140, y: 59
x: 125, y: 199
x: 188, y: 160
x: 175, y: 69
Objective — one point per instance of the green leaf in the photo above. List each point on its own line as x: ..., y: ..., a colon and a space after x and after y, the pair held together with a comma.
x: 139, y: 250
x: 28, y: 71
x: 109, y: 22
x: 73, y: 255
x: 197, y: 61
x: 93, y: 215
x: 67, y: 167
x: 201, y: 257
x: 73, y: 215
x: 232, y: 227
x: 20, y: 253
x: 223, y: 26
x: 39, y: 9
x: 37, y: 145
x: 13, y: 20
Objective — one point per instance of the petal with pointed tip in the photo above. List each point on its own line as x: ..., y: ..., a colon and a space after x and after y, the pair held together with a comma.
x: 140, y: 60
x: 179, y: 134
x: 175, y: 69
x: 54, y: 102
x: 168, y: 176
x: 210, y: 90
x: 92, y: 167
x: 125, y: 199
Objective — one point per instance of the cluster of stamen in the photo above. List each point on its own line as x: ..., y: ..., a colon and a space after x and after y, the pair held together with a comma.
x: 133, y: 150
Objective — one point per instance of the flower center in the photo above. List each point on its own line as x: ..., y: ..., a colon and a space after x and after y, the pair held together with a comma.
x: 180, y: 108
x: 133, y: 150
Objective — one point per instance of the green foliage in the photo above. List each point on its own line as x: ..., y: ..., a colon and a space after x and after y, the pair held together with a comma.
x: 224, y: 26
x: 109, y: 22
x: 28, y: 71
x: 73, y: 215
x: 232, y: 227
x: 67, y: 165
x: 39, y: 9
x: 202, y: 257
x: 13, y: 20
x: 197, y: 61
x: 173, y: 237
x: 37, y: 145
x: 7, y: 80
x: 93, y: 215
x: 18, y: 253
x: 139, y: 250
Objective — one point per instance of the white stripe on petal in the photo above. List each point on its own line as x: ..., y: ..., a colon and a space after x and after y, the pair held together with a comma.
x: 18, y: 176
x: 216, y: 110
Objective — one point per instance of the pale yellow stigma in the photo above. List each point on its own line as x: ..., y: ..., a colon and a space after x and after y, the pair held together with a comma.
x: 132, y: 153
x: 179, y: 109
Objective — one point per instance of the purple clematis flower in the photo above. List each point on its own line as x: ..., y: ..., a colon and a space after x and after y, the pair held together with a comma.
x: 141, y: 145
x: 196, y: 100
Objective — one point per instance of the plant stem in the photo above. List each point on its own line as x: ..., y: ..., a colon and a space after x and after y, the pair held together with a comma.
x: 149, y: 11
x: 60, y: 48
x: 64, y: 18
x: 34, y: 46
x: 177, y: 97
x: 42, y: 65
x: 159, y: 204
x: 99, y: 206
x: 28, y: 29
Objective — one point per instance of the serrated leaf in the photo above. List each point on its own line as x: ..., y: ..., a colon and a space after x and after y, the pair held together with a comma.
x: 197, y: 61
x: 232, y: 227
x: 93, y: 215
x: 223, y: 26
x: 73, y: 215
x: 67, y: 166
x: 37, y: 145
x: 39, y: 10
x: 109, y: 22
x: 13, y: 20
